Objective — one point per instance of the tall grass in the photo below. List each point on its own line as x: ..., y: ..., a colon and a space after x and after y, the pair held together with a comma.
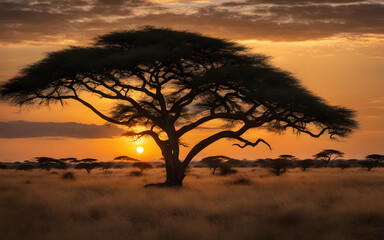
x: 318, y: 204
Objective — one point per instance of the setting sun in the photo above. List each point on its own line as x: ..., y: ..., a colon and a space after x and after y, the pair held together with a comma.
x: 140, y: 150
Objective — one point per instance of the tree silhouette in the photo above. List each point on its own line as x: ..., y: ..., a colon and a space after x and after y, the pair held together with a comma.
x: 304, y: 164
x: 328, y: 154
x: 372, y: 161
x: 88, y: 166
x: 142, y: 166
x: 48, y: 163
x: 25, y: 167
x: 214, y: 162
x: 279, y: 166
x: 171, y: 82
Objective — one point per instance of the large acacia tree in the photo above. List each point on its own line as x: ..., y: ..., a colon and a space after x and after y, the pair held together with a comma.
x: 171, y: 82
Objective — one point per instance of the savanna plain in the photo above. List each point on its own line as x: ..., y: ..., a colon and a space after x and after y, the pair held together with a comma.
x: 323, y: 203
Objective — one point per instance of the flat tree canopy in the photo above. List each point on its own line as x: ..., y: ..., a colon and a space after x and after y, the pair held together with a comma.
x: 171, y: 82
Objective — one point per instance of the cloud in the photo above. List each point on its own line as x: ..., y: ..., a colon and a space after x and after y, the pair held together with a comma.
x: 274, y: 20
x: 22, y: 129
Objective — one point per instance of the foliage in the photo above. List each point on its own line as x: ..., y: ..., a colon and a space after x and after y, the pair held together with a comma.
x: 328, y: 154
x: 226, y: 169
x: 88, y: 166
x: 25, y: 167
x: 304, y: 164
x: 213, y: 162
x: 142, y: 166
x: 279, y: 166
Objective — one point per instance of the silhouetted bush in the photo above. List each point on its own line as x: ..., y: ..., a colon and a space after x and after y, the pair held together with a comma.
x: 135, y: 174
x: 25, y: 167
x: 88, y: 166
x: 369, y: 164
x: 241, y: 181
x: 343, y: 165
x: 226, y: 169
x: 68, y: 175
x: 279, y: 166
x: 304, y: 164
x: 142, y: 166
x: 2, y: 167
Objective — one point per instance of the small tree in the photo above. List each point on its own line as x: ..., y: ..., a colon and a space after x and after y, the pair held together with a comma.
x: 169, y: 83
x: 25, y: 167
x: 327, y: 155
x: 372, y: 161
x: 48, y: 163
x: 279, y: 166
x: 375, y: 157
x: 142, y: 166
x: 88, y: 166
x: 287, y: 157
x: 214, y: 162
x: 304, y: 164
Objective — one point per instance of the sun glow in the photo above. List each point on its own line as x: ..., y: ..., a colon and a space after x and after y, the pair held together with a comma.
x: 140, y: 150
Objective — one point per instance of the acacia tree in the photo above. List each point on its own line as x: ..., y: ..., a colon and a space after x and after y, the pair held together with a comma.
x: 214, y: 162
x: 171, y: 82
x: 328, y: 154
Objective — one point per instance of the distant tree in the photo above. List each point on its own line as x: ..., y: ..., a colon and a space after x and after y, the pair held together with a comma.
x: 106, y: 165
x: 2, y: 166
x: 88, y: 160
x: 88, y: 166
x: 375, y: 157
x: 48, y: 163
x: 279, y: 166
x: 226, y: 169
x: 343, y: 165
x: 304, y: 164
x: 69, y: 159
x: 214, y: 162
x: 287, y: 157
x: 126, y: 159
x: 169, y: 83
x: 142, y: 166
x: 25, y: 167
x: 327, y: 155
x: 372, y: 161
x: 369, y: 164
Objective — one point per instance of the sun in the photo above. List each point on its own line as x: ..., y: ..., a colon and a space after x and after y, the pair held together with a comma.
x: 140, y: 150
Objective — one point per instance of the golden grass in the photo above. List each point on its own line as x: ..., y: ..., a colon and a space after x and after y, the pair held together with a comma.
x: 318, y: 204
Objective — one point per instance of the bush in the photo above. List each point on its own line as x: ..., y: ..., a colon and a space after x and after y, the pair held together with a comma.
x: 68, y: 175
x: 226, y: 169
x: 279, y: 166
x: 241, y: 181
x: 135, y: 174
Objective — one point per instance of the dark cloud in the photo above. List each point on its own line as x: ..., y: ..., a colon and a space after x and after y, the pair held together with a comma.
x: 275, y: 20
x: 22, y: 129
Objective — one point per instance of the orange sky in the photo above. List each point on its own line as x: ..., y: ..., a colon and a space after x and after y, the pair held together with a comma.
x: 344, y: 64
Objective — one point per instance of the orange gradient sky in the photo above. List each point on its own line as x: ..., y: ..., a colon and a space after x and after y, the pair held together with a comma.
x: 336, y: 49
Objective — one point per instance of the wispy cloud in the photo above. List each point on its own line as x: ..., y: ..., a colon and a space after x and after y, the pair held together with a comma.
x: 274, y: 20
x: 22, y: 129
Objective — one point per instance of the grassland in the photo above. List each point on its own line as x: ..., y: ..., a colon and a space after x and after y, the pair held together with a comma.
x: 318, y: 204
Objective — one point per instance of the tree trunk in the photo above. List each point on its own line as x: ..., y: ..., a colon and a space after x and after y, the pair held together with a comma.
x: 175, y: 173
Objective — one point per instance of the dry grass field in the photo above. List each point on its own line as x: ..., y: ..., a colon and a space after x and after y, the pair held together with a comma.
x: 318, y: 204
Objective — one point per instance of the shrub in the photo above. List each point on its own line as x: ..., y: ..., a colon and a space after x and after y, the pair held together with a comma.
x: 68, y: 175
x: 226, y: 169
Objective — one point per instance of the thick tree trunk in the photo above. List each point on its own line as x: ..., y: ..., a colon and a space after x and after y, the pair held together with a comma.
x: 175, y: 174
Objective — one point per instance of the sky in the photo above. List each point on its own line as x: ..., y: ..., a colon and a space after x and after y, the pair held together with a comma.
x: 335, y: 48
